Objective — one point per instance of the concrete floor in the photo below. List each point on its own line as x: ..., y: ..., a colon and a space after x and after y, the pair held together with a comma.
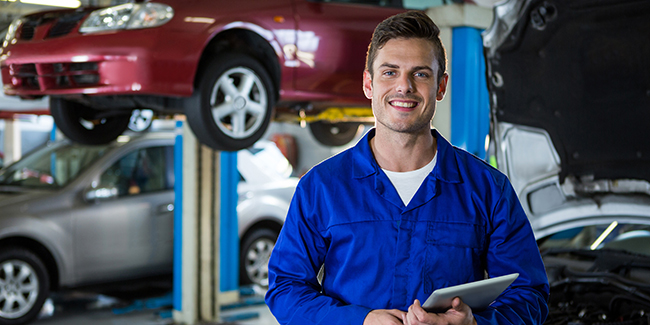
x: 82, y: 308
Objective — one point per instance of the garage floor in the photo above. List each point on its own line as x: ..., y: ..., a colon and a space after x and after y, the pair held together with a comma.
x: 144, y: 307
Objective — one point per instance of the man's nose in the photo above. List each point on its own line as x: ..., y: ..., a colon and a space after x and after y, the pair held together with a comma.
x: 404, y: 84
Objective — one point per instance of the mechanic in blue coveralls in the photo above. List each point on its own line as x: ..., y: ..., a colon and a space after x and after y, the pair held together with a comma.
x: 403, y: 212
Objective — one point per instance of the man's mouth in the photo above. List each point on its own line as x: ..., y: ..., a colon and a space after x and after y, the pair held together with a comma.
x: 403, y: 104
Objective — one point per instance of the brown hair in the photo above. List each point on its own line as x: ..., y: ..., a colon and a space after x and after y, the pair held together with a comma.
x: 410, y: 24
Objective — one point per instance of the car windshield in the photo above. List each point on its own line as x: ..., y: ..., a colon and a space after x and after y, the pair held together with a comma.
x: 52, y: 166
x: 633, y: 238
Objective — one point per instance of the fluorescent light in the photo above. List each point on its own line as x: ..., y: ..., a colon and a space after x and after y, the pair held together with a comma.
x: 604, y: 235
x: 55, y: 3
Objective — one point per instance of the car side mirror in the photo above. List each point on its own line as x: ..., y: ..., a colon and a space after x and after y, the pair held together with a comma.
x: 103, y: 193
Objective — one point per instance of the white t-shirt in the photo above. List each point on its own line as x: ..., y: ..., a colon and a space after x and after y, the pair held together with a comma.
x: 407, y: 183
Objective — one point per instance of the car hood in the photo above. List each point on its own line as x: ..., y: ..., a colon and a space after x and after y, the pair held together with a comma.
x: 569, y: 84
x: 17, y: 200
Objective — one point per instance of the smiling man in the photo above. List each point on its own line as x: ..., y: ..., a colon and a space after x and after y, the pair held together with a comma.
x: 403, y: 212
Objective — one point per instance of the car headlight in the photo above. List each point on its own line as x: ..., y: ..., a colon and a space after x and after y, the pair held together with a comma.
x: 127, y: 16
x: 11, y: 31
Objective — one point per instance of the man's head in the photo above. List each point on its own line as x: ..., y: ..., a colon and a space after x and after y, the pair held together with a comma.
x: 411, y: 24
x: 406, y: 73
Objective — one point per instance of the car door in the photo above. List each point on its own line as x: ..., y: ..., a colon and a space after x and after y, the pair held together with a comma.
x: 130, y: 234
x: 331, y: 42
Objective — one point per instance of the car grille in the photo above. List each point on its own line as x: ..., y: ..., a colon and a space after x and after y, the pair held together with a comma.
x: 50, y: 25
x: 54, y: 75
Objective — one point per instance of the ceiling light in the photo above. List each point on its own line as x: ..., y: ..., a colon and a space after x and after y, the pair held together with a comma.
x: 55, y: 3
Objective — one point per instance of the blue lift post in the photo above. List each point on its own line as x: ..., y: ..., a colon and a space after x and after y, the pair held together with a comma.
x: 178, y: 219
x: 229, y: 236
x: 470, y: 107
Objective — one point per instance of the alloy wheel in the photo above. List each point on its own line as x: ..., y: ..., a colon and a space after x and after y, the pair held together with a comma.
x: 257, y: 261
x: 239, y: 102
x: 19, y: 288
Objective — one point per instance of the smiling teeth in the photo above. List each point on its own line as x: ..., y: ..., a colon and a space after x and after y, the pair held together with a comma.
x: 403, y: 104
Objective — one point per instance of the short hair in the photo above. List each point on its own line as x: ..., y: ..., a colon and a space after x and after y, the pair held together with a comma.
x: 410, y: 24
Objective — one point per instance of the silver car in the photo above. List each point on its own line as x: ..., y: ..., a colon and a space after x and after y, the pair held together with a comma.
x: 76, y: 214
x: 569, y: 85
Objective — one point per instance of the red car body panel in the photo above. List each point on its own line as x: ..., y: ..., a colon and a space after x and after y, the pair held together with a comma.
x: 320, y: 49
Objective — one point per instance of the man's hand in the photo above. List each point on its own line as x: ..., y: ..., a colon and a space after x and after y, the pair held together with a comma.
x: 385, y: 316
x: 458, y: 314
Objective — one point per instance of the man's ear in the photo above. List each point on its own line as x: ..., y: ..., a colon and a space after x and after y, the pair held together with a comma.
x: 367, y: 84
x: 442, y: 87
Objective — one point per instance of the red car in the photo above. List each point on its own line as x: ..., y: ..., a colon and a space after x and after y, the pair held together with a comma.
x: 230, y: 67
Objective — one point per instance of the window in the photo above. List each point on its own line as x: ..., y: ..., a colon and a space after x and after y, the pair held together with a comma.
x: 634, y: 238
x: 141, y: 171
x: 423, y: 4
x: 52, y: 166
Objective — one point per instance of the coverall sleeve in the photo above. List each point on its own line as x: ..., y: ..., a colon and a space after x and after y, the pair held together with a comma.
x: 294, y: 295
x: 513, y: 249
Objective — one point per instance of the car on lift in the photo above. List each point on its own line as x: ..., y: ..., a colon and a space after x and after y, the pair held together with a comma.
x: 569, y: 86
x: 230, y: 68
x: 75, y: 215
x: 140, y: 120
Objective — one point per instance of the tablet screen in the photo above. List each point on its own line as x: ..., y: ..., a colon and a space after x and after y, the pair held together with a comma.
x: 477, y: 295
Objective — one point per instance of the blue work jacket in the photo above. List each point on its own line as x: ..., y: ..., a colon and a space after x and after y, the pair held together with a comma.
x: 464, y: 221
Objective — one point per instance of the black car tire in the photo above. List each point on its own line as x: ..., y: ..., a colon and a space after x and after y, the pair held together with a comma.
x: 223, y: 115
x: 33, y: 285
x: 254, y: 256
x: 81, y: 123
x: 334, y: 134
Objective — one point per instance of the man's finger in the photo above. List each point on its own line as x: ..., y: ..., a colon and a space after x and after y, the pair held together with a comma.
x: 456, y: 303
x: 420, y: 314
x: 397, y: 313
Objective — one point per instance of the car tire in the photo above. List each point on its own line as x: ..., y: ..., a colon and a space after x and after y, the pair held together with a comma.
x: 81, y: 123
x: 254, y: 256
x: 28, y: 279
x: 334, y: 134
x: 141, y: 120
x: 226, y: 116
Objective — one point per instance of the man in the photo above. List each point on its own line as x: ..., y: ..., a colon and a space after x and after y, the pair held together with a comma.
x: 403, y: 212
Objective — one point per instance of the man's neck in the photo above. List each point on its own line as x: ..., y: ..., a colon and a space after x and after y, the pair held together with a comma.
x: 403, y: 152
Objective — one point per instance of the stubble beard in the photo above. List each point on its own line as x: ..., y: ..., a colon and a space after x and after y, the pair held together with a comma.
x: 404, y: 127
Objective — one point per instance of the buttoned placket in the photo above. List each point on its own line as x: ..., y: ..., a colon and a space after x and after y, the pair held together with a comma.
x: 403, y: 270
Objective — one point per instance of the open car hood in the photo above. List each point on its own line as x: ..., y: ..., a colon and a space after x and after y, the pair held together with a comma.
x: 569, y: 84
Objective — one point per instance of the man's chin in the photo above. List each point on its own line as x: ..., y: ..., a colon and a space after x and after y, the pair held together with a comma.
x: 407, y: 128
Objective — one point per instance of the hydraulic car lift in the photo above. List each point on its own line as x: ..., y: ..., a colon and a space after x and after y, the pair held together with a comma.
x: 206, y: 244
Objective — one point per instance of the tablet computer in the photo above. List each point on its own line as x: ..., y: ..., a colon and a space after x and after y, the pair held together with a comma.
x: 477, y: 295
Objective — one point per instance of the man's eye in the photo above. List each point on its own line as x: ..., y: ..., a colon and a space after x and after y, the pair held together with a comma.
x: 389, y: 73
x: 421, y: 74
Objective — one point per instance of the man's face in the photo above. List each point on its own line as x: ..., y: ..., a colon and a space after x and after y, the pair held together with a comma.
x: 405, y: 86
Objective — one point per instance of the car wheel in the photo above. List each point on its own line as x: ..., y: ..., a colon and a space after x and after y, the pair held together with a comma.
x: 254, y: 256
x: 235, y: 103
x: 141, y: 120
x: 85, y: 125
x: 334, y: 134
x: 24, y: 286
